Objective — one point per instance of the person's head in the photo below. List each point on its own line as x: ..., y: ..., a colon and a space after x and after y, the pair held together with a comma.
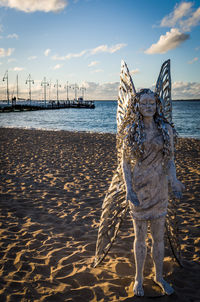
x: 147, y: 105
x: 147, y: 102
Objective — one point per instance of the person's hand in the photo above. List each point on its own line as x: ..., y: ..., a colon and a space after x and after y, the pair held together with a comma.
x: 132, y: 197
x: 177, y: 188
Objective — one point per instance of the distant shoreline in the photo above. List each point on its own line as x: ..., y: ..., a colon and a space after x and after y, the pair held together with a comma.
x: 178, y: 100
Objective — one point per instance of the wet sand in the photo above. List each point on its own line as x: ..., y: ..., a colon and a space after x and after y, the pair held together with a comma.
x: 52, y: 187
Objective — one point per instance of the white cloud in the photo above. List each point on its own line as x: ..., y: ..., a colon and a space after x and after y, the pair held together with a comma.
x: 58, y: 66
x: 89, y: 52
x: 183, y: 17
x: 93, y: 63
x: 193, y: 60
x: 186, y: 90
x: 167, y: 42
x: 109, y: 90
x: 134, y: 71
x: 194, y: 20
x: 12, y: 36
x: 101, y: 91
x: 35, y: 5
x: 6, y: 53
x: 32, y: 58
x: 11, y: 60
x: 97, y: 71
x: 179, y: 12
x: 47, y: 51
x: 106, y: 48
x: 69, y: 56
x: 18, y: 68
x: 75, y: 55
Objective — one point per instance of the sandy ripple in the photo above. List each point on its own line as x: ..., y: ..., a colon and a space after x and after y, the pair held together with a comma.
x: 52, y: 187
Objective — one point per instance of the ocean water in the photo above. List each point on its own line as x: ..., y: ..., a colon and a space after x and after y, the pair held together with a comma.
x: 186, y: 117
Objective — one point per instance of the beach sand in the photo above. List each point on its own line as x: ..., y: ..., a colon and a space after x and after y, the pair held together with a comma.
x: 52, y: 188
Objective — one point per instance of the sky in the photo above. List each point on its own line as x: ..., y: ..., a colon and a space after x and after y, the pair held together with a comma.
x: 82, y: 42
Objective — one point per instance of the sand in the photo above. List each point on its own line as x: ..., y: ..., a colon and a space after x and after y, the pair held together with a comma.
x: 52, y: 188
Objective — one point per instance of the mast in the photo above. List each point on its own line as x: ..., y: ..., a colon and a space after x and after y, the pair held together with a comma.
x: 83, y: 89
x: 7, y: 90
x: 29, y: 81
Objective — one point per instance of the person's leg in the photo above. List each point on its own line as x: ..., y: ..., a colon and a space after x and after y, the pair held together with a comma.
x: 157, y: 232
x: 140, y: 227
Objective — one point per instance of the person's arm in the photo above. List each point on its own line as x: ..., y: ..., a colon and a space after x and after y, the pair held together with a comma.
x: 130, y: 194
x: 176, y: 186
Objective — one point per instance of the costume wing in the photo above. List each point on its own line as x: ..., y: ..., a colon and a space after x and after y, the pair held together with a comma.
x: 172, y: 230
x: 126, y: 92
x: 163, y: 89
x: 115, y: 205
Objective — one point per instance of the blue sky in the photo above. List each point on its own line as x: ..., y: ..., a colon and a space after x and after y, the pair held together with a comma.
x: 83, y: 42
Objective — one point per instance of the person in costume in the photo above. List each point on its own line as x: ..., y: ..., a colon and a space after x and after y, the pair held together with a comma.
x: 147, y: 181
x: 145, y: 167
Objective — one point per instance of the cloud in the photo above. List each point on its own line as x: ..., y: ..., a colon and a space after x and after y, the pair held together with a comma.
x: 183, y: 17
x: 47, y: 51
x: 69, y: 56
x: 179, y: 12
x: 12, y: 36
x: 109, y: 90
x: 32, y: 57
x: 1, y: 27
x: 167, y: 42
x: 186, y: 90
x: 97, y: 71
x: 75, y: 55
x: 193, y: 60
x: 18, y: 68
x: 194, y: 20
x: 101, y: 91
x: 31, y: 6
x: 134, y: 71
x: 6, y: 53
x: 93, y: 63
x: 105, y: 48
x: 89, y: 52
x: 11, y: 60
x: 58, y: 66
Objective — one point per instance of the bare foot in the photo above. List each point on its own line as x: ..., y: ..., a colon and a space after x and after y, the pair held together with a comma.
x: 167, y: 289
x: 138, y: 289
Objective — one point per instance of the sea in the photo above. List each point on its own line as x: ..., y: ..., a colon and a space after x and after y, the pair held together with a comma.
x: 186, y: 118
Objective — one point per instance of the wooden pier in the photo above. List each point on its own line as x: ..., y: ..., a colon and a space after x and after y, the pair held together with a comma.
x: 51, y: 105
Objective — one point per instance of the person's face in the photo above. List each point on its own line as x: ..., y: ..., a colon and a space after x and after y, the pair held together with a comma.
x: 147, y: 105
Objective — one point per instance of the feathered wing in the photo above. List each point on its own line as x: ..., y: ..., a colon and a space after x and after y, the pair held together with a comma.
x: 163, y: 89
x: 115, y: 205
